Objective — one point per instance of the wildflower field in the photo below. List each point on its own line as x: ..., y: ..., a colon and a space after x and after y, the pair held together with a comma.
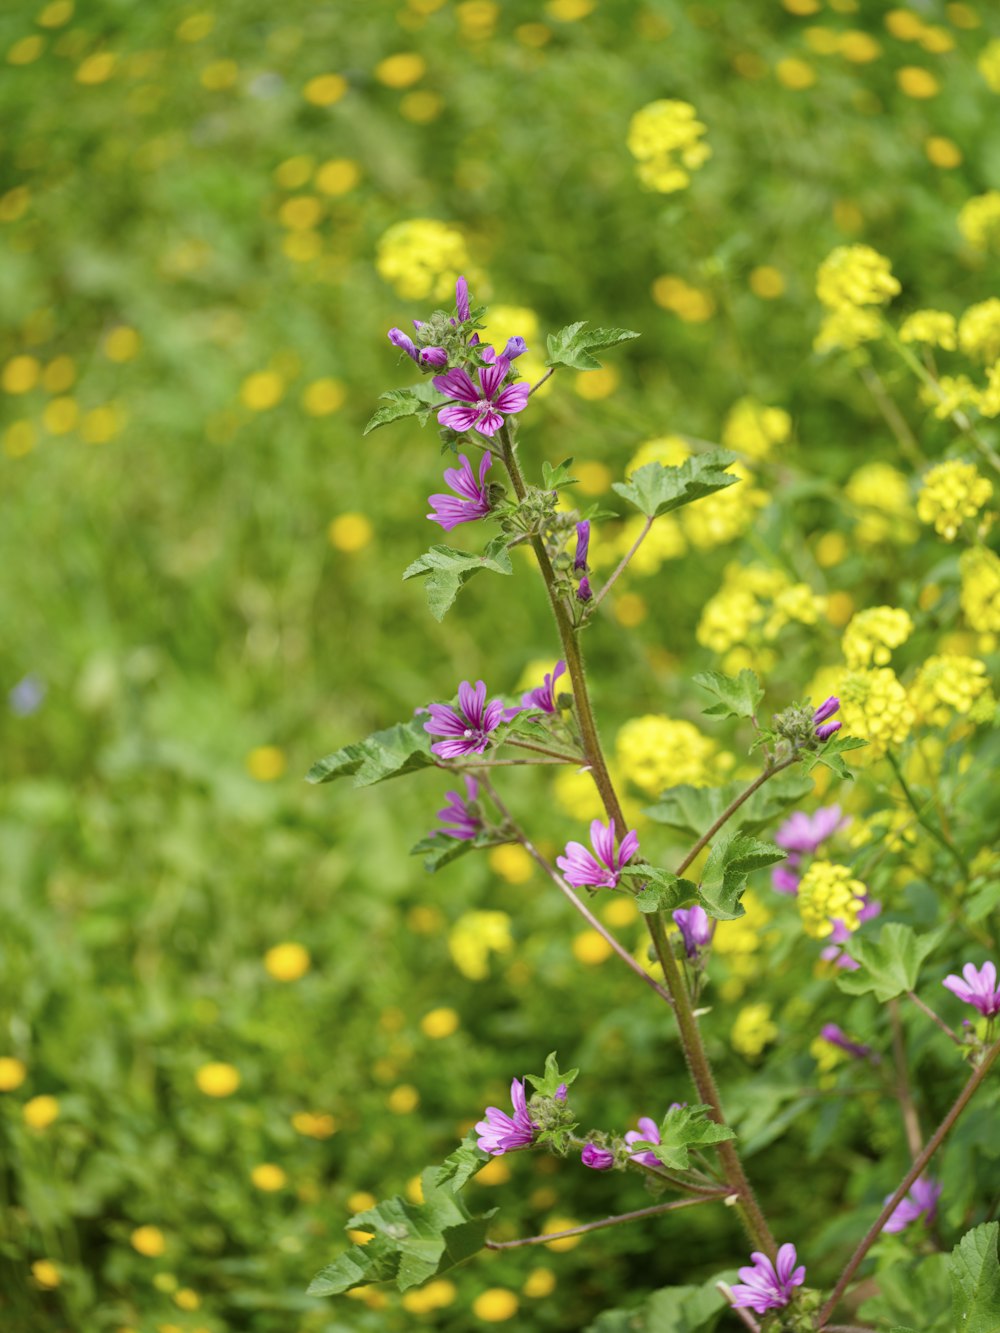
x: 730, y: 947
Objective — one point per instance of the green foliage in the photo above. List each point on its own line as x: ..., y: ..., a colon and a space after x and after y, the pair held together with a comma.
x: 548, y: 1083
x: 975, y: 1281
x: 686, y: 1309
x: 684, y: 1128
x: 655, y: 489
x: 891, y: 965
x: 440, y: 850
x: 693, y: 810
x: 417, y: 401
x: 831, y: 754
x: 553, y: 478
x: 912, y: 1289
x: 736, y: 697
x: 398, y: 750
x: 658, y: 890
x: 573, y: 347
x: 733, y: 857
x: 448, y: 570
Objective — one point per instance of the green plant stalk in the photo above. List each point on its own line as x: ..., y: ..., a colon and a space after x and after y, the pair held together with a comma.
x: 695, y: 1054
x: 922, y: 819
x: 674, y: 1206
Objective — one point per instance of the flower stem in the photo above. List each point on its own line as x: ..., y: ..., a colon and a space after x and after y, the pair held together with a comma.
x: 949, y: 1032
x: 559, y: 755
x: 548, y: 375
x: 916, y: 1170
x: 731, y: 809
x: 694, y: 1049
x: 674, y: 1206
x: 742, y: 1314
x: 904, y: 1094
x: 936, y: 833
x: 622, y: 564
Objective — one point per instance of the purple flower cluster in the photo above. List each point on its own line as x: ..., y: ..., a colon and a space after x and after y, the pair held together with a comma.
x: 767, y: 1286
x: 466, y: 729
x: 485, y: 406
x: 648, y: 1132
x: 824, y: 728
x: 978, y: 989
x: 583, y: 592
x: 544, y: 696
x: 921, y: 1201
x: 458, y: 818
x: 473, y: 494
x: 601, y: 870
x: 424, y: 356
x: 801, y: 835
x: 499, y: 1132
x: 840, y: 935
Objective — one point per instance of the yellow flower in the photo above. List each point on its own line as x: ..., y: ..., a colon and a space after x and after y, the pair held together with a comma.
x: 45, y: 1273
x: 440, y: 1023
x: 287, y: 962
x: 325, y: 89
x: 477, y: 18
x: 767, y: 282
x: 988, y: 63
x: 268, y: 1177
x: 97, y: 68
x: 753, y: 1030
x: 950, y: 684
x: 217, y: 1079
x: 859, y: 47
x: 875, y: 706
x: 402, y: 70
x: 59, y: 375
x: 403, y: 1099
x: 422, y: 258
x: 421, y: 106
x: 953, y: 392
x: 942, y: 152
x: 917, y: 82
x: 323, y: 396
x: 502, y: 322
x: 511, y: 862
x: 952, y: 492
x: 936, y: 328
x: 338, y: 176
x: 561, y: 1224
x: 577, y: 794
x: 569, y: 11
x: 724, y: 516
x: 350, y: 532
x: 436, y: 1295
x: 149, y: 1241
x: 301, y: 212
x: 592, y: 478
x: 60, y: 416
x: 656, y: 752
x: 826, y: 1054
x: 979, y: 330
x: 56, y: 14
x: 979, y: 221
x: 262, y: 390
x: 754, y: 429
x: 591, y: 947
x: 266, y: 763
x: 195, y: 28
x: 318, y: 1126
x: 495, y: 1172
x: 795, y: 73
x: 474, y: 936
x: 872, y: 633
x: 980, y: 596
x: 495, y: 1305
x: 881, y: 493
x: 121, y: 343
x: 847, y: 328
x: 13, y: 1072
x: 20, y: 374
x: 829, y: 892
x: 40, y: 1112
x: 691, y: 304
x: 853, y: 275
x: 665, y: 138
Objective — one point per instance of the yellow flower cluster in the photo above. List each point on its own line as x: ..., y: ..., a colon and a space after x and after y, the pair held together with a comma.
x: 979, y: 220
x: 754, y: 429
x: 875, y: 706
x: 953, y: 392
x: 882, y: 495
x: 951, y: 683
x: 752, y: 607
x: 952, y: 492
x: 474, y: 936
x: 753, y: 1030
x: 979, y: 330
x: 872, y: 634
x: 847, y: 328
x: 989, y: 64
x: 855, y: 275
x: 980, y: 596
x: 691, y: 304
x: 503, y: 322
x: 656, y: 752
x: 422, y: 258
x: 936, y: 328
x: 725, y: 515
x: 827, y: 892
x: 665, y: 138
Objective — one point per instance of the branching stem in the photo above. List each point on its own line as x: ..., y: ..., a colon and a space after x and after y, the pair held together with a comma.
x: 622, y: 564
x: 731, y: 809
x: 925, y: 1008
x: 933, y: 829
x: 674, y: 1206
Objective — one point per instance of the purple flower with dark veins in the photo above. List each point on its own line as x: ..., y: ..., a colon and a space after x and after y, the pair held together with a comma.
x: 473, y: 495
x: 804, y: 833
x: 424, y: 356
x: 462, y: 299
x: 978, y: 989
x: 836, y: 1036
x: 920, y: 1202
x: 544, y: 696
x: 695, y: 927
x: 516, y: 347
x: 598, y: 1159
x: 499, y: 1132
x: 648, y: 1132
x: 583, y: 869
x: 767, y: 1286
x: 825, y: 729
x: 458, y: 818
x: 582, y: 545
x: 486, y: 406
x: 466, y: 729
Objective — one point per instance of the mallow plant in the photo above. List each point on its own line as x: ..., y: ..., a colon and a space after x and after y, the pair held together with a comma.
x: 687, y: 1155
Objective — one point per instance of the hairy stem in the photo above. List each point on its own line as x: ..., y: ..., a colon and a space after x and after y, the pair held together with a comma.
x: 694, y: 1049
x: 741, y: 1313
x: 916, y: 1170
x: 674, y: 1206
x: 933, y: 829
x: 925, y: 1008
x: 558, y: 755
x: 623, y: 563
x: 731, y: 809
x: 904, y: 1094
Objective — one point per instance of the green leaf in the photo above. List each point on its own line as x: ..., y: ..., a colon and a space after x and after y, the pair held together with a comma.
x: 418, y: 401
x: 573, y: 347
x: 655, y: 489
x: 916, y: 1290
x: 401, y: 749
x: 683, y: 1128
x: 447, y: 570
x: 694, y: 809
x: 554, y: 477
x: 658, y: 890
x: 975, y: 1281
x: 831, y: 753
x: 737, y: 697
x: 548, y: 1083
x: 733, y: 856
x: 687, y: 1309
x: 889, y: 966
x: 456, y: 1169
x: 440, y: 849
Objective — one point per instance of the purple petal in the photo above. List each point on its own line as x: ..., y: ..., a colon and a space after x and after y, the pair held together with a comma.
x: 404, y: 342
x: 456, y: 384
x: 462, y: 299
x: 458, y: 418
x: 489, y: 423
x: 491, y: 377
x: 516, y: 347
x: 514, y: 398
x: 434, y: 356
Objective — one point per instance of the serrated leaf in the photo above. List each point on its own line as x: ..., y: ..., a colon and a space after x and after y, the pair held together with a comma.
x: 737, y: 696
x: 548, y: 1083
x: 733, y: 856
x: 554, y: 477
x: 573, y: 346
x: 439, y: 850
x: 655, y: 489
x: 891, y: 965
x: 392, y: 753
x: 658, y: 890
x: 693, y: 810
x: 683, y: 1128
x: 457, y: 1168
x: 975, y: 1281
x: 419, y: 401
x: 447, y: 570
x: 831, y: 753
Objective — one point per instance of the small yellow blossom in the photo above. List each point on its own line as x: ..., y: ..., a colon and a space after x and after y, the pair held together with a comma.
x: 860, y: 48
x: 539, y: 1282
x: 795, y: 74
x: 665, y: 138
x: 338, y: 176
x: 20, y: 374
x: 401, y: 70
x: 754, y: 429
x: 421, y: 106
x: 323, y: 396
x: 287, y: 962
x: 656, y: 752
x: 121, y: 343
x: 314, y: 1125
x: 979, y: 221
x: 988, y: 64
x: 350, y: 532
x: 477, y: 19
x: 952, y: 492
x: 268, y: 1177
x: 262, y: 390
x: 440, y: 1023
x: 881, y: 495
x: 980, y: 595
x: 56, y: 14
x: 942, y: 152
x: 495, y: 1305
x: 13, y: 1072
x: 917, y: 82
x: 561, y: 1224
x: 949, y: 684
x: 691, y: 304
x: 266, y: 763
x: 979, y: 330
x: 576, y: 793
x: 149, y: 1241
x: 591, y: 947
x: 827, y: 1054
x: 495, y: 1172
x: 97, y: 68
x: 40, y: 1112
x: 875, y: 707
x: 217, y: 1079
x: 767, y: 282
x: 855, y: 275
x: 753, y: 1030
x: 474, y: 936
x: 828, y: 893
x: 847, y: 328
x: 435, y: 1295
x: 46, y: 1273
x: 325, y: 89
x: 403, y: 1099
x: 873, y: 633
x: 422, y: 258
x: 511, y: 862
x: 936, y: 328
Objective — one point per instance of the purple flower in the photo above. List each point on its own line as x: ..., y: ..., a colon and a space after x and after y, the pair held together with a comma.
x: 840, y: 934
x: 826, y: 710
x: 462, y: 299
x: 648, y: 1132
x: 979, y: 988
x: 584, y: 870
x: 467, y: 728
x: 561, y: 1093
x: 804, y: 833
x: 499, y: 1133
x: 598, y: 1159
x: 768, y: 1286
x: 458, y: 818
x: 487, y: 405
x: 582, y: 543
x: 920, y: 1202
x: 434, y: 356
x: 784, y: 879
x: 427, y: 356
x: 516, y: 347
x: 695, y: 928
x: 27, y: 696
x: 838, y: 1037
x: 583, y: 593
x: 474, y: 501
x: 833, y: 953
x: 544, y: 696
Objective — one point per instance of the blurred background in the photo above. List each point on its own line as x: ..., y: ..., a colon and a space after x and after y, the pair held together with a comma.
x: 232, y: 1007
